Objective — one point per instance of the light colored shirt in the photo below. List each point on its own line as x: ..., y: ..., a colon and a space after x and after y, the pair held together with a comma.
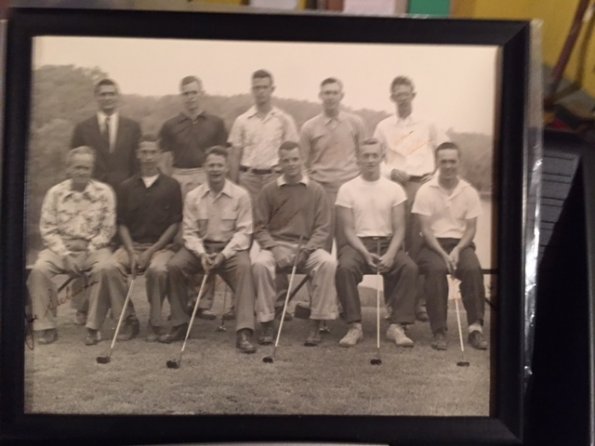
x: 371, y: 203
x: 260, y: 138
x: 68, y: 215
x: 218, y: 217
x: 329, y: 146
x: 409, y: 144
x: 113, y: 126
x: 448, y: 213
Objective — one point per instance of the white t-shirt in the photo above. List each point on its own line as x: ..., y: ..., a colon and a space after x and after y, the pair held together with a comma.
x: 448, y: 213
x: 372, y: 203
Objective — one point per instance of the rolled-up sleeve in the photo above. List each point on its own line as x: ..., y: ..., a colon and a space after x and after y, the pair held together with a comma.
x: 191, y: 231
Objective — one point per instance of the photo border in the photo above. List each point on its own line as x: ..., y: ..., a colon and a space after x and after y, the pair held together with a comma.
x: 508, y: 355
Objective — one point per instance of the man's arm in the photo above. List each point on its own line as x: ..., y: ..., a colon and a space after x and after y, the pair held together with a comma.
x: 262, y: 217
x: 236, y: 139
x: 466, y: 239
x: 108, y: 221
x: 77, y: 137
x: 48, y: 226
x: 306, y: 146
x: 166, y: 145
x: 190, y: 230
x: 240, y: 241
x: 398, y: 228
x: 432, y: 242
x: 347, y: 222
x: 322, y: 223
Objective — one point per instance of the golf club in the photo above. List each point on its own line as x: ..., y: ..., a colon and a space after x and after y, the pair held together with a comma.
x: 175, y: 363
x: 377, y: 360
x: 454, y: 283
x: 270, y: 359
x: 221, y: 326
x: 104, y: 359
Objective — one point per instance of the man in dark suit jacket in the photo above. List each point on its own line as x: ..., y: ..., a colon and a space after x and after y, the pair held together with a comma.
x: 114, y: 137
x: 115, y: 140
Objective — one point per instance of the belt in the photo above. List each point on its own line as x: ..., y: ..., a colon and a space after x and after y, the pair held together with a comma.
x: 382, y: 238
x: 257, y: 171
x: 417, y: 178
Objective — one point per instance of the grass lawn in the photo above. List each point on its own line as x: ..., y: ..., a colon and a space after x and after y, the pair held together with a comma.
x: 215, y: 379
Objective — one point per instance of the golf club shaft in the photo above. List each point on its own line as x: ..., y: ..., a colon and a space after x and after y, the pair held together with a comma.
x: 224, y: 304
x: 291, y: 277
x: 453, y: 283
x: 121, y: 318
x: 378, y: 279
x: 200, y: 291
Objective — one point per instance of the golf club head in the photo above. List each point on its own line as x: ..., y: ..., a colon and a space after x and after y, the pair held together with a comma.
x: 103, y: 359
x: 268, y: 359
x: 172, y: 364
x: 376, y: 361
x: 463, y: 364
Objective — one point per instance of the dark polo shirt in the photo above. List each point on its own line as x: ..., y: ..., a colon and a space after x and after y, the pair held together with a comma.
x: 188, y: 139
x: 148, y: 211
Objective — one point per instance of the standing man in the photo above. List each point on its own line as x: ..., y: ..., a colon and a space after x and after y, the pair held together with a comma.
x: 188, y: 136
x: 290, y: 209
x: 114, y: 137
x: 149, y: 213
x: 77, y: 224
x: 371, y: 209
x: 448, y: 208
x: 329, y: 142
x: 409, y: 143
x: 217, y: 230
x: 256, y: 136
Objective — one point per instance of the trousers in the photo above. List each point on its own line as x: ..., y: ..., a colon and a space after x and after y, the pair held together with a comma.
x: 235, y: 271
x: 468, y: 271
x: 320, y: 268
x: 399, y: 283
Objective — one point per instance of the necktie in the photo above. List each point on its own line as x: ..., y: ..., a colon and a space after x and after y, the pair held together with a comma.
x: 106, y: 132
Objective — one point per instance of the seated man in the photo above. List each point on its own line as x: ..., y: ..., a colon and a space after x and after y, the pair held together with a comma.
x: 77, y: 223
x: 371, y: 210
x: 217, y: 228
x: 289, y: 209
x: 448, y: 208
x: 149, y: 213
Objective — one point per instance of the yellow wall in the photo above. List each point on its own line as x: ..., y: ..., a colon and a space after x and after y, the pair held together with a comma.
x: 557, y: 18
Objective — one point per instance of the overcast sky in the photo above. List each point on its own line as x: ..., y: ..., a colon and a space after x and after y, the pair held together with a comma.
x: 455, y: 84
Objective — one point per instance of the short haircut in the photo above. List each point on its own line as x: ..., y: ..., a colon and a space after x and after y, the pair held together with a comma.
x: 287, y: 146
x: 370, y: 142
x: 262, y: 74
x: 331, y: 80
x: 81, y: 150
x: 448, y: 145
x: 105, y: 82
x: 217, y: 150
x: 190, y: 79
x: 401, y: 80
x: 149, y: 138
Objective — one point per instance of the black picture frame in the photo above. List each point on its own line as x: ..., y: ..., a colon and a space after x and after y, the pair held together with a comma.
x: 508, y: 423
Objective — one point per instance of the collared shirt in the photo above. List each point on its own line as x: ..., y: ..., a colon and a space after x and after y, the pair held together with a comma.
x: 448, y: 213
x: 371, y: 203
x: 218, y: 217
x: 329, y: 145
x: 287, y: 211
x: 188, y: 138
x: 260, y: 138
x: 68, y: 215
x: 147, y: 212
x: 113, y: 126
x: 409, y: 144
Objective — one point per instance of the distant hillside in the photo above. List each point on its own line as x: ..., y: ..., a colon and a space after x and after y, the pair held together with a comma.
x: 63, y: 95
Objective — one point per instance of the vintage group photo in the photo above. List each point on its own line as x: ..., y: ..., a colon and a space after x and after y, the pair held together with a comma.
x: 260, y: 228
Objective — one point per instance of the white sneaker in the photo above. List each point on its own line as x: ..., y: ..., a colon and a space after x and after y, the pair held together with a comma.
x: 396, y: 333
x: 353, y: 336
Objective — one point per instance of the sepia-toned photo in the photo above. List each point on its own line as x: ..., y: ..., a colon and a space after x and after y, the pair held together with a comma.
x: 267, y: 228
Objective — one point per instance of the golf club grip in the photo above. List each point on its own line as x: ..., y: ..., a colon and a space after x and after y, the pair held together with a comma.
x: 130, y: 288
x: 200, y: 292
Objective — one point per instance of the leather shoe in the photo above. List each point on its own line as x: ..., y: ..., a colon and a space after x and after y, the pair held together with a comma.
x: 47, y: 336
x: 421, y: 314
x: 477, y: 341
x: 176, y: 333
x: 313, y: 339
x: 129, y: 330
x: 206, y: 314
x: 439, y: 342
x: 244, y: 341
x: 152, y: 333
x: 229, y: 315
x: 266, y: 337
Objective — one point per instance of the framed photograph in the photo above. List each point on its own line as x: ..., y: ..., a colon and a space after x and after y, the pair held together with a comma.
x: 467, y: 83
